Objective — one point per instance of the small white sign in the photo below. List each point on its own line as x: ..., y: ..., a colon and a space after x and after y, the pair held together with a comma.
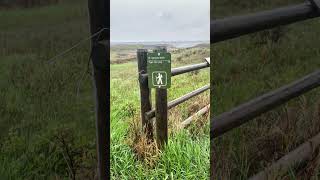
x: 207, y: 59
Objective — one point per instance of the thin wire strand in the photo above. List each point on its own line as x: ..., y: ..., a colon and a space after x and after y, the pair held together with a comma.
x: 76, y: 45
x: 50, y: 61
x: 87, y: 70
x: 83, y: 75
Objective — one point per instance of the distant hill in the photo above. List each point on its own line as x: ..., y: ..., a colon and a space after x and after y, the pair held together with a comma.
x: 168, y: 44
x: 204, y: 45
x: 123, y: 53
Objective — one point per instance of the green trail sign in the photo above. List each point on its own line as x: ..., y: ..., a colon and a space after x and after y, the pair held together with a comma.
x: 159, y: 70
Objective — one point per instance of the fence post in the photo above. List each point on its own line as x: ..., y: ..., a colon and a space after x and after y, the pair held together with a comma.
x: 145, y: 93
x: 161, y: 112
x: 98, y: 16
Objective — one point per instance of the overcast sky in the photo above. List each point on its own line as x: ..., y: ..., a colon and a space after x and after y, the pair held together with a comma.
x: 160, y: 20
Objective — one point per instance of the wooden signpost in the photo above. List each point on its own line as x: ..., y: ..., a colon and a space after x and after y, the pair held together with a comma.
x: 159, y: 77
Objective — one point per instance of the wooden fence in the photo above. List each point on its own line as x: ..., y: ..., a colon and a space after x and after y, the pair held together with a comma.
x: 160, y: 112
x: 232, y: 27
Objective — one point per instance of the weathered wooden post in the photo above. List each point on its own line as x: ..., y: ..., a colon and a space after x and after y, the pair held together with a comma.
x: 99, y: 23
x: 161, y: 116
x: 161, y: 111
x: 145, y: 93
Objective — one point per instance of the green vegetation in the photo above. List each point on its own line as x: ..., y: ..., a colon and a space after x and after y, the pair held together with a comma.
x: 47, y: 123
x: 187, y: 153
x: 249, y: 66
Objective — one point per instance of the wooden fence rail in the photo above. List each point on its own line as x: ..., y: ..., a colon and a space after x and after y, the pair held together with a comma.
x: 303, y: 153
x: 247, y: 111
x: 232, y: 27
x: 171, y: 104
x: 160, y: 112
x: 180, y: 70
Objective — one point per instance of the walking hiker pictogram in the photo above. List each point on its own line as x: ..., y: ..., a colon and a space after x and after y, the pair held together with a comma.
x: 159, y: 79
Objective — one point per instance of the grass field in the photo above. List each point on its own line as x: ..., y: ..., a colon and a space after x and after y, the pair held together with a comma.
x: 47, y: 123
x: 249, y: 66
x: 187, y: 153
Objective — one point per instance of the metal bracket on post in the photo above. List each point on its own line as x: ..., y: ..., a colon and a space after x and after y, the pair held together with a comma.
x: 104, y: 42
x: 140, y: 77
x: 315, y: 4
